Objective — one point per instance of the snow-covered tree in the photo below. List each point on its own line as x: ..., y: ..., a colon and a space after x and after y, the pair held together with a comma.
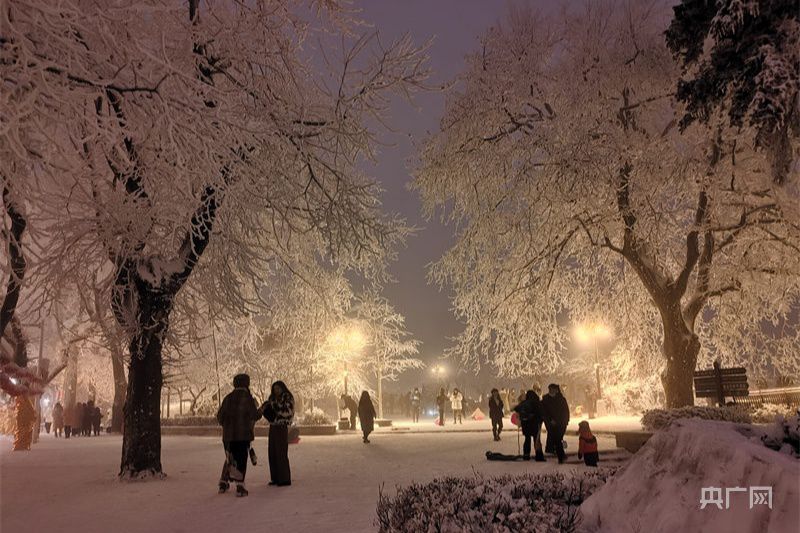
x: 576, y: 199
x: 742, y: 58
x: 390, y: 349
x: 190, y: 146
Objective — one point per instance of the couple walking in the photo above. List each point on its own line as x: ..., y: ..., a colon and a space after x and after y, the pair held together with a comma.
x: 237, y: 415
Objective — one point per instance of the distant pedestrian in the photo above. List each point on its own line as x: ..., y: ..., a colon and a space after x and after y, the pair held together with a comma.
x: 587, y: 445
x: 279, y: 410
x: 496, y: 413
x: 366, y: 415
x: 556, y: 412
x: 590, y: 399
x: 97, y: 416
x: 86, y: 418
x: 58, y: 419
x: 531, y: 416
x: 457, y: 405
x: 237, y: 415
x: 77, y: 427
x: 352, y: 408
x: 441, y: 401
x: 416, y: 404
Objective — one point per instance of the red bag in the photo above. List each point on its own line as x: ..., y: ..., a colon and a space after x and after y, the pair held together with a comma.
x: 515, y: 418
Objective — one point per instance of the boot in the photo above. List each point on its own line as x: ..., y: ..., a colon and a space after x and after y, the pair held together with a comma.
x: 240, y: 490
x: 223, y: 487
x: 540, y: 456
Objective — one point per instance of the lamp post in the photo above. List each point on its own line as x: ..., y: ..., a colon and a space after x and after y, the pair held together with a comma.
x: 593, y: 333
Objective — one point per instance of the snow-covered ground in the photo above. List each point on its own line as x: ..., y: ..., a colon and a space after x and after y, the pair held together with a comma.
x: 70, y: 486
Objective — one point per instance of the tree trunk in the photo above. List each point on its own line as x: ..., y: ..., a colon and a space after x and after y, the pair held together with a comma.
x: 141, y: 441
x: 681, y: 347
x: 120, y: 388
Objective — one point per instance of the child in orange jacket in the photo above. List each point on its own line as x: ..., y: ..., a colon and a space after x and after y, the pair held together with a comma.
x: 587, y: 445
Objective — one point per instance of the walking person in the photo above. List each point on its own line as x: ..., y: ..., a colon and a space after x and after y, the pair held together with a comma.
x: 366, y: 415
x: 279, y: 410
x: 441, y: 401
x: 416, y: 405
x: 496, y: 413
x: 352, y: 407
x: 77, y: 423
x: 86, y: 418
x: 556, y: 411
x: 58, y: 419
x: 587, y: 445
x: 457, y: 405
x: 237, y: 415
x: 97, y: 416
x: 531, y: 416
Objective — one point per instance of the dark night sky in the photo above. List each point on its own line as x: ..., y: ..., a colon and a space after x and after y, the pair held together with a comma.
x: 455, y: 26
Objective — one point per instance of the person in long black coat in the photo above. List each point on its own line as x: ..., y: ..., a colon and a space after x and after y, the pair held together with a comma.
x: 279, y: 411
x: 237, y: 415
x: 531, y: 415
x: 441, y: 401
x: 496, y: 413
x: 556, y: 419
x: 366, y: 415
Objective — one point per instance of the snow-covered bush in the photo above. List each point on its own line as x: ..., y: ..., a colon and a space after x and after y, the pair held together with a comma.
x: 784, y: 435
x: 190, y: 421
x: 315, y: 417
x: 656, y: 419
x: 524, y: 503
x: 768, y: 412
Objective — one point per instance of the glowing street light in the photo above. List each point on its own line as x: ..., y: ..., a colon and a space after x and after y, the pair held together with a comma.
x: 591, y: 333
x: 439, y: 371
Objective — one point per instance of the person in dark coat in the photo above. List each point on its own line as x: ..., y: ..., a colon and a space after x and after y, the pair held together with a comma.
x: 556, y: 419
x: 441, y: 401
x: 531, y: 416
x: 416, y: 405
x: 496, y: 413
x: 86, y: 419
x: 77, y: 426
x: 351, y: 405
x: 97, y: 416
x: 366, y: 415
x: 58, y: 419
x: 279, y: 410
x: 237, y: 415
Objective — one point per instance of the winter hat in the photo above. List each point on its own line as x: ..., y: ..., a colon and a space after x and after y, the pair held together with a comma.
x: 241, y: 381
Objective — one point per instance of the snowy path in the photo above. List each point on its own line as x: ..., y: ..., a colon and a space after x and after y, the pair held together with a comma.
x: 70, y: 486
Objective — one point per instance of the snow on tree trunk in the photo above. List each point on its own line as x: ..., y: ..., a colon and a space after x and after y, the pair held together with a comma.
x: 141, y: 442
x: 680, y: 348
x: 120, y: 389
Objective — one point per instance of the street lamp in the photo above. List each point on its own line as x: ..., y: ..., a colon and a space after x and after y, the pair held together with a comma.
x: 592, y: 333
x: 439, y: 371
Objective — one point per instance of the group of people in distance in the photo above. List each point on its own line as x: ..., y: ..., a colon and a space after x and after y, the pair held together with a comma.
x: 237, y: 415
x: 364, y: 410
x: 83, y: 419
x: 551, y: 410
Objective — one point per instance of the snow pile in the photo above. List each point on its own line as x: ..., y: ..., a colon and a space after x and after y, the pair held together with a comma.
x: 660, y: 489
x: 524, y: 503
x: 768, y: 412
x: 784, y: 436
x: 656, y: 419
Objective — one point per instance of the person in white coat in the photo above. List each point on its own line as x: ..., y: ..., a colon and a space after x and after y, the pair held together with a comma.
x: 457, y: 404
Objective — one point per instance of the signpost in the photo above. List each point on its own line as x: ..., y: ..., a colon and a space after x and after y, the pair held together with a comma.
x: 720, y: 383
